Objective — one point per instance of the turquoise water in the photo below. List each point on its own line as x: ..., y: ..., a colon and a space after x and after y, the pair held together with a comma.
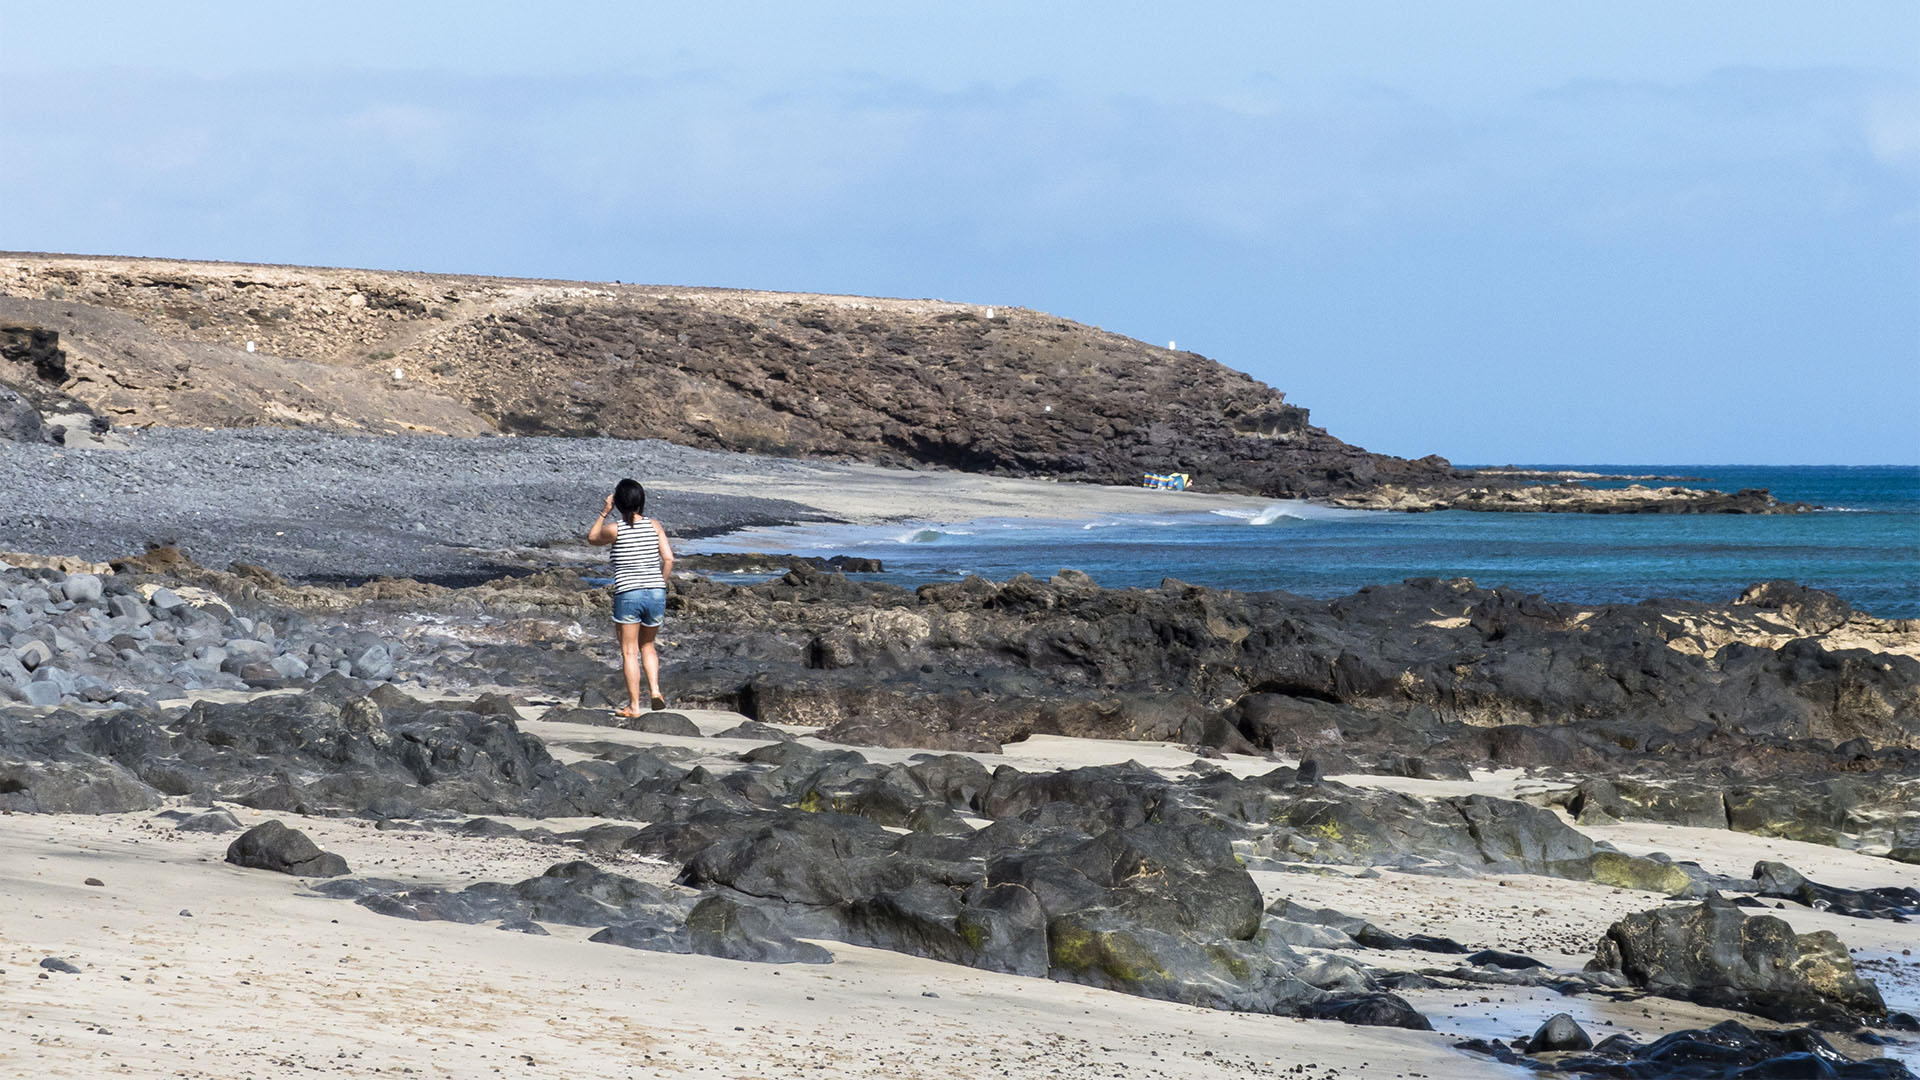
x: 1865, y: 545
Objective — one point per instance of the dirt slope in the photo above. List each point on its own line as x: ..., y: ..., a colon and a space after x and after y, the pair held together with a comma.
x: 893, y: 381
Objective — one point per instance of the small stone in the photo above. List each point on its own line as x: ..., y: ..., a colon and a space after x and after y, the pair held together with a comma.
x: 129, y: 608
x: 83, y: 588
x: 94, y: 881
x: 54, y: 963
x: 41, y: 693
x: 32, y: 654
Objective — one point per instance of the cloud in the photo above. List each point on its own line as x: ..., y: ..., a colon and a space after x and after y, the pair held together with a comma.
x: 998, y: 167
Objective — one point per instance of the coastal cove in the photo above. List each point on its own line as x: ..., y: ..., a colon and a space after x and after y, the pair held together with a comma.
x: 908, y: 542
x: 1863, y: 545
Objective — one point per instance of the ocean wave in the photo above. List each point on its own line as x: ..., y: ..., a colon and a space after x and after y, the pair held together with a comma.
x: 1267, y: 515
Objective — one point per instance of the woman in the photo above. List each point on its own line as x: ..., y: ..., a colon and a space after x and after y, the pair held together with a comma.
x: 642, y: 559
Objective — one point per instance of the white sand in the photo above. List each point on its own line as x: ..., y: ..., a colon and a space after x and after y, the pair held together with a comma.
x: 873, y: 494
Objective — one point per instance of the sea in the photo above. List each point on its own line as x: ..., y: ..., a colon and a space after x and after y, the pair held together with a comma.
x: 1862, y: 544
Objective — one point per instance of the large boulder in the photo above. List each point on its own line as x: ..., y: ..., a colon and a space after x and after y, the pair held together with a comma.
x: 1714, y: 953
x: 82, y: 786
x: 273, y: 846
x: 818, y: 859
x: 996, y: 927
x: 724, y: 927
x: 19, y: 420
x: 1100, y: 947
x: 1174, y: 880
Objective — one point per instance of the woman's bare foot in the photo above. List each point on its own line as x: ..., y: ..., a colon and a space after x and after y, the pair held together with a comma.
x: 630, y: 712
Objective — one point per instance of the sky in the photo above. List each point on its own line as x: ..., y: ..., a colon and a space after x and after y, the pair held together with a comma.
x: 1571, y: 232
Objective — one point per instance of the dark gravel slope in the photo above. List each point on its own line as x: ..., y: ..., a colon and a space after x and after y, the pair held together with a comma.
x: 328, y: 507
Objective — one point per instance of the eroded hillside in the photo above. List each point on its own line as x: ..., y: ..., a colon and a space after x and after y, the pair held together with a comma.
x: 892, y: 381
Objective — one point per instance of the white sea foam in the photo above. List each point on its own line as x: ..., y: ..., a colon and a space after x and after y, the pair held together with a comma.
x: 1267, y: 515
x: 1298, y: 510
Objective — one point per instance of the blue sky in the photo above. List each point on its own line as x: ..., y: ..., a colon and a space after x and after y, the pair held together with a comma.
x: 1620, y: 232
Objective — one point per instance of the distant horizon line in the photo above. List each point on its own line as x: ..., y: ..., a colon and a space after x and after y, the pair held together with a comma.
x: 1565, y: 465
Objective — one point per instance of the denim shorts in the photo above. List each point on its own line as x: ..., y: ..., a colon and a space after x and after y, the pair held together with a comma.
x: 648, y: 607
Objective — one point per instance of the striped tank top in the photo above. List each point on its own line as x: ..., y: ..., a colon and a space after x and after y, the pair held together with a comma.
x: 636, y: 556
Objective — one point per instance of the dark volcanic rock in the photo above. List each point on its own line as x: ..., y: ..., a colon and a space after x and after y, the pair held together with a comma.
x: 1174, y: 880
x: 1779, y: 880
x: 820, y: 859
x: 1716, y: 954
x: 286, y: 751
x: 902, y: 734
x: 719, y: 926
x: 1100, y: 948
x: 1504, y: 960
x: 213, y: 821
x: 570, y: 893
x: 749, y: 562
x: 1560, y: 1032
x: 273, y: 846
x: 1726, y: 1051
x: 653, y: 935
x: 996, y: 927
x: 660, y: 723
x: 754, y: 729
x: 19, y: 420
x: 1372, y: 1010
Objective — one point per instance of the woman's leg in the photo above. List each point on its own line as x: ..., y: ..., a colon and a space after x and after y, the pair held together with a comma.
x: 650, y: 658
x: 630, y: 660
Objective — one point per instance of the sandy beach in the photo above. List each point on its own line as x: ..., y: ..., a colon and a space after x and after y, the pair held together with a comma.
x: 864, y: 766
x: 263, y: 980
x: 192, y: 967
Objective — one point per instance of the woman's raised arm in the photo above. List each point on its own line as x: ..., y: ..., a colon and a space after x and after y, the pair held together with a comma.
x: 603, y: 532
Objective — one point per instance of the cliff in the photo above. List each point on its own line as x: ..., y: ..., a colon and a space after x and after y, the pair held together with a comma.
x: 900, y: 382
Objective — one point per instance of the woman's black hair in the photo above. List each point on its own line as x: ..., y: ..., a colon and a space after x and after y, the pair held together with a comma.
x: 630, y: 499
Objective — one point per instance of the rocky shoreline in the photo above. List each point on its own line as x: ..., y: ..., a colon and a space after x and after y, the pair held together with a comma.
x: 1570, y: 497
x: 843, y: 766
